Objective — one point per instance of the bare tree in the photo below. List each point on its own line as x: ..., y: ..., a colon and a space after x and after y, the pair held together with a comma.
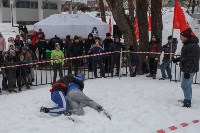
x: 102, y: 10
x: 141, y: 10
x: 156, y: 14
x: 123, y: 21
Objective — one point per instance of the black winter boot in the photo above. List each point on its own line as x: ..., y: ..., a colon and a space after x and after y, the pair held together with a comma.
x: 150, y: 75
x: 187, y: 103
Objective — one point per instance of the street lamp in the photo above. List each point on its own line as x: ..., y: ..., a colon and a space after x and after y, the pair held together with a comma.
x: 11, y: 9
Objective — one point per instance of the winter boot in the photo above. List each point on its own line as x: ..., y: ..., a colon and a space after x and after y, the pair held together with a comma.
x: 154, y: 76
x: 187, y: 103
x: 20, y: 89
x: 162, y: 78
x: 150, y: 75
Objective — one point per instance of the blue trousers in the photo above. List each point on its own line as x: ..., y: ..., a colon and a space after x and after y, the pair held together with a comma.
x: 60, y: 99
x: 186, y: 86
x: 165, y: 66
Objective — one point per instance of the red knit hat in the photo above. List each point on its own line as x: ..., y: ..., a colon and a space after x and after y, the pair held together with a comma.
x: 187, y: 33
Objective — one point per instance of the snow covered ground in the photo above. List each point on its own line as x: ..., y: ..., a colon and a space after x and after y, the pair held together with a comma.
x: 138, y: 105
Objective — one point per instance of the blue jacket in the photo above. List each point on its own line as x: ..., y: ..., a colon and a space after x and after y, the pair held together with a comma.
x: 74, y: 86
x: 97, y: 50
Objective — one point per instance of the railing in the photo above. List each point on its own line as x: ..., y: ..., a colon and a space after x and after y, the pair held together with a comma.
x: 43, y: 73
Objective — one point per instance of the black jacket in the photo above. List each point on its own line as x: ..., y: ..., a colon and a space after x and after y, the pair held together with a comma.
x: 42, y: 45
x: 107, y: 43
x: 189, y: 60
x: 69, y: 79
x: 76, y: 49
x: 116, y: 46
x: 167, y: 49
x: 53, y: 41
x: 88, y: 44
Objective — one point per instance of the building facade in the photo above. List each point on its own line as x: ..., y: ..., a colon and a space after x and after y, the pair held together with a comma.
x: 30, y: 11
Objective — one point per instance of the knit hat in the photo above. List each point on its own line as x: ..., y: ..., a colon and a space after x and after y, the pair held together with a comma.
x: 108, y: 34
x: 169, y: 37
x: 187, y: 33
x: 97, y: 38
x: 24, y: 48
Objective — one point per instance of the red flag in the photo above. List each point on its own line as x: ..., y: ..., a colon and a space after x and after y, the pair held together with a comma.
x: 136, y: 29
x: 110, y: 27
x: 149, y: 23
x: 179, y: 18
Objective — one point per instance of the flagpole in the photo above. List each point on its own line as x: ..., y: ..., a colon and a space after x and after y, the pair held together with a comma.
x: 171, y: 46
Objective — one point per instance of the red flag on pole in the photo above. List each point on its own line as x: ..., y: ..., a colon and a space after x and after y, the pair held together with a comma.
x: 136, y: 29
x: 149, y: 23
x: 110, y: 23
x: 179, y: 18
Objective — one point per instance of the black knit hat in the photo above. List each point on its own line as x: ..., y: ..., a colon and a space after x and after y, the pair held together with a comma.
x: 187, y: 33
x: 97, y: 38
x: 108, y: 34
x: 169, y: 37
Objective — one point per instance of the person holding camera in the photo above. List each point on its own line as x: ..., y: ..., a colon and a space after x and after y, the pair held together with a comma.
x: 189, y: 63
x: 97, y: 48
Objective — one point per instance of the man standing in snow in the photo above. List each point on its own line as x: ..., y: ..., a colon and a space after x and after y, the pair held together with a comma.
x: 154, y: 47
x: 57, y: 64
x: 189, y: 63
x: 168, y: 48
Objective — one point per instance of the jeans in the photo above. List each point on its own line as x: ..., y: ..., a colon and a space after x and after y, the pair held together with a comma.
x: 165, y: 66
x: 186, y: 86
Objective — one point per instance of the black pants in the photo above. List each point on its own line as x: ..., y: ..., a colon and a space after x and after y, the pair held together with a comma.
x: 57, y: 67
x: 89, y: 60
x: 100, y: 63
x: 153, y: 65
x: 107, y: 61
x: 42, y: 55
x: 115, y: 61
x: 75, y: 64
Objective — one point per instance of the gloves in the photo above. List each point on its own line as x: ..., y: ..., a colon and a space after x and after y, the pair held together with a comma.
x: 44, y: 109
x: 186, y: 75
x: 175, y: 60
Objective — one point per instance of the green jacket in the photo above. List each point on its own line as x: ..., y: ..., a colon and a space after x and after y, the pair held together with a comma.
x: 57, y: 55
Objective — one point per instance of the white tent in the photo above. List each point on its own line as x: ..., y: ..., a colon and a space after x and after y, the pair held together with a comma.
x: 71, y: 24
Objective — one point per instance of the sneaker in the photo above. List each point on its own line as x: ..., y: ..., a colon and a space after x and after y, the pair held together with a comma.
x: 162, y: 78
x: 150, y: 75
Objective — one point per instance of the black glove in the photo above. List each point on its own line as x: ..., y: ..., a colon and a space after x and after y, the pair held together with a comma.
x: 186, y: 75
x: 44, y: 109
x: 175, y: 60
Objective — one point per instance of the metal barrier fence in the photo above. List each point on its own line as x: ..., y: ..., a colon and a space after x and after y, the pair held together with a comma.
x: 43, y: 71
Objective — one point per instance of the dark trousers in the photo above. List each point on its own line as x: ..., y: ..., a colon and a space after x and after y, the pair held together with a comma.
x: 100, y: 63
x: 89, y: 60
x: 57, y: 67
x: 4, y: 83
x: 107, y: 61
x: 153, y: 64
x: 115, y: 61
x: 42, y: 55
x: 11, y: 83
x: 75, y: 64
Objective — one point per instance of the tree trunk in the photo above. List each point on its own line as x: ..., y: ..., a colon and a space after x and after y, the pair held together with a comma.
x: 102, y: 10
x: 156, y: 14
x: 141, y: 10
x: 123, y: 22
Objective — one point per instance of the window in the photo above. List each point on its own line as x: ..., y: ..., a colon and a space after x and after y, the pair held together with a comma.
x: 23, y: 4
x: 49, y: 5
x: 6, y: 3
x: 34, y: 5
